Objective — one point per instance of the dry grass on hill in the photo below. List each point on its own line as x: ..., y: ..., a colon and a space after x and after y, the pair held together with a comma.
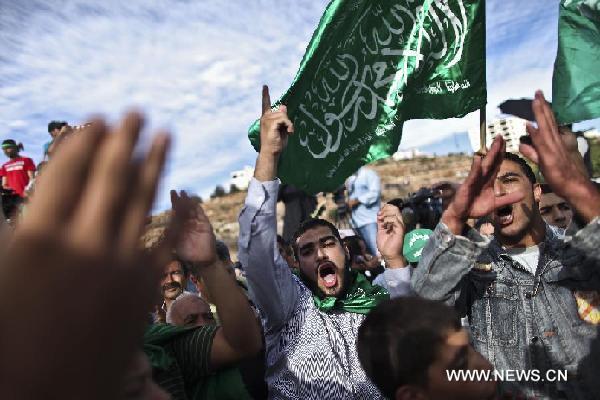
x: 399, y: 178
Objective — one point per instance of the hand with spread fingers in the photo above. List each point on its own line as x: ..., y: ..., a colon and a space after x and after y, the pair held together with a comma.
x: 197, y: 243
x: 390, y: 236
x: 90, y: 286
x: 549, y: 151
x: 275, y: 127
x: 475, y: 197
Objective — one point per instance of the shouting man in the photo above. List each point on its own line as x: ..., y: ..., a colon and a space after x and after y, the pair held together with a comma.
x: 518, y: 290
x: 310, y: 322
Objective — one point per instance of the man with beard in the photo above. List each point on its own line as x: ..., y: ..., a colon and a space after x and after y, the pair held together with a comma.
x: 518, y: 289
x: 311, y: 321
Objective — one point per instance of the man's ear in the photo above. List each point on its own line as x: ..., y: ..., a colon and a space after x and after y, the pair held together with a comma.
x: 410, y: 392
x: 346, y: 250
x: 347, y: 253
x: 537, y: 192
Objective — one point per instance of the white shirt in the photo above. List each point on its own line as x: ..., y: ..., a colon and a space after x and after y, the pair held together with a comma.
x: 527, y: 257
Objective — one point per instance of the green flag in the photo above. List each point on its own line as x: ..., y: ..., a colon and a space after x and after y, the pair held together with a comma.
x: 576, y: 80
x: 371, y: 65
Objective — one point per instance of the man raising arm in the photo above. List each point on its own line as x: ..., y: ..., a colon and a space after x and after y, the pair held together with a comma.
x: 519, y: 289
x: 310, y: 322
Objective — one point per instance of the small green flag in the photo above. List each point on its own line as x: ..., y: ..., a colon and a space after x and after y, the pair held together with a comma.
x: 370, y: 66
x: 576, y: 80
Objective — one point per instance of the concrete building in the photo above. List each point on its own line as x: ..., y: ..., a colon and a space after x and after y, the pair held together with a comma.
x: 408, y: 154
x: 511, y: 129
x: 241, y: 179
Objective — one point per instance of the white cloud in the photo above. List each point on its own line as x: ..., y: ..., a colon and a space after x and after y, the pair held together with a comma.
x: 196, y: 67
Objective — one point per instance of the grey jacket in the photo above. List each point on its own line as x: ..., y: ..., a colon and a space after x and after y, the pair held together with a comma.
x: 517, y: 320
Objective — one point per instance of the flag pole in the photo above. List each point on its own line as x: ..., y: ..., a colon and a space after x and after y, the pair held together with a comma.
x: 482, y: 131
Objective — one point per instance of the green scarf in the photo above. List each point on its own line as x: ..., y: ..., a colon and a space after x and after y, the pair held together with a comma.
x: 360, y: 298
x: 155, y: 338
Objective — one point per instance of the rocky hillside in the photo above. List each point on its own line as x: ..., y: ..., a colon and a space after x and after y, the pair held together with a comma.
x: 399, y: 178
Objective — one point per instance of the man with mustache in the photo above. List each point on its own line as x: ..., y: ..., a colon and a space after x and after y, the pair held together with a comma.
x: 518, y: 289
x: 172, y: 284
x: 311, y: 321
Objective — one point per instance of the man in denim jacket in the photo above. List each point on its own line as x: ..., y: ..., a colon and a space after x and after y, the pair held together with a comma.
x: 518, y: 289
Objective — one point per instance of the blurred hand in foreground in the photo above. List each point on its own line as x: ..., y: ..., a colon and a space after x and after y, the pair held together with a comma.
x: 76, y: 286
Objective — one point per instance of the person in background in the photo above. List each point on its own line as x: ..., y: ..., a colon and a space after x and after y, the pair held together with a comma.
x: 446, y: 191
x: 172, y: 285
x: 298, y: 208
x: 54, y: 129
x: 138, y: 383
x: 364, y: 201
x: 184, y: 358
x: 287, y: 253
x: 484, y: 226
x: 362, y: 261
x: 224, y: 256
x: 394, y: 277
x: 241, y: 381
x: 554, y: 209
x: 17, y: 171
x: 189, y: 310
x: 407, y: 345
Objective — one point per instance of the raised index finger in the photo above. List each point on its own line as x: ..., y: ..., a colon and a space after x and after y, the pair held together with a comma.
x: 266, y: 99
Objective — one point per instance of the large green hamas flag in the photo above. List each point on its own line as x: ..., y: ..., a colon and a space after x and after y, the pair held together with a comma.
x: 576, y: 81
x: 370, y: 66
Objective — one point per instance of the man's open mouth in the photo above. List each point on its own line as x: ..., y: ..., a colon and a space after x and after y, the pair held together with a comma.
x: 504, y: 215
x: 327, y: 274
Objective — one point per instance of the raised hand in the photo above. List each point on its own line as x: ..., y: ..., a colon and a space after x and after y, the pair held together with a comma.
x: 475, y: 197
x: 550, y: 152
x: 197, y: 241
x: 275, y: 126
x: 390, y: 236
x: 89, y: 284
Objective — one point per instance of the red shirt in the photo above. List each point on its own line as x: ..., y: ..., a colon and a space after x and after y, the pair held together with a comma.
x: 15, y: 172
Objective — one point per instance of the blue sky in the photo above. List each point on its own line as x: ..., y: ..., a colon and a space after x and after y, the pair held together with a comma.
x: 196, y: 68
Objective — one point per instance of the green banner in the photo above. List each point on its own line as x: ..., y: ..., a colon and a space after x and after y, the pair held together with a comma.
x: 576, y: 80
x: 370, y: 66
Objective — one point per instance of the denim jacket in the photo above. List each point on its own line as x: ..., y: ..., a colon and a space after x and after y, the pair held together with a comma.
x: 521, y: 321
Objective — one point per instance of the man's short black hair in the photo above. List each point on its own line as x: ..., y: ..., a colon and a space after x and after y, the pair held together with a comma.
x: 311, y: 224
x: 223, y: 251
x: 184, y: 265
x: 401, y: 338
x: 523, y: 164
x: 546, y: 188
x: 285, y: 245
x: 52, y: 125
x: 353, y: 245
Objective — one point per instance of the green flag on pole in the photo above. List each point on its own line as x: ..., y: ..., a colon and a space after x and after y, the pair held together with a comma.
x: 576, y: 80
x: 370, y: 66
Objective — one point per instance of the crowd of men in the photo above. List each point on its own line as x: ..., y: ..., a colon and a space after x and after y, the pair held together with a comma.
x: 507, y: 280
